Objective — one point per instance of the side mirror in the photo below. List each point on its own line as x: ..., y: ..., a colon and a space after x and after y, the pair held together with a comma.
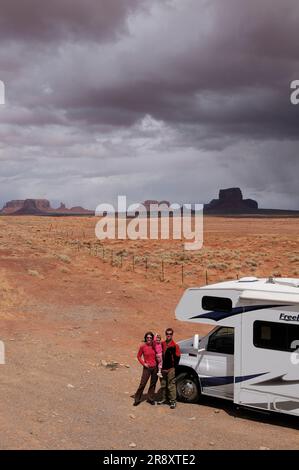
x: 196, y: 342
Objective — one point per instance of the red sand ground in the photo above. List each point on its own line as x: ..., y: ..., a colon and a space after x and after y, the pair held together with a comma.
x: 63, y: 310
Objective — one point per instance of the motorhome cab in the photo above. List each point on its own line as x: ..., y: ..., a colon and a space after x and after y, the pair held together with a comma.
x: 252, y: 355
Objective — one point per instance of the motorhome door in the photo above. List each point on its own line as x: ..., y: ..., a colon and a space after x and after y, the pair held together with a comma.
x: 216, y: 366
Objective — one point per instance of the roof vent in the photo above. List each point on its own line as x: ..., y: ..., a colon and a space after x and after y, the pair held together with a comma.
x: 248, y: 279
x: 286, y: 282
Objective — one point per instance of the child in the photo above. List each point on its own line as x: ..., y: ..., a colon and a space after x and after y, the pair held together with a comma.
x: 158, y: 349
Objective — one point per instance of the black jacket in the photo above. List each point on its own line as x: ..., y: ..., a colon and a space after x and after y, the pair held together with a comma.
x: 171, y: 355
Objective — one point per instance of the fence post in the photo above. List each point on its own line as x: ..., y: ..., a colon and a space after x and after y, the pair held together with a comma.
x: 146, y: 265
x: 182, y: 274
x: 121, y: 260
x: 207, y: 277
x: 162, y: 271
x: 111, y: 258
x: 133, y: 263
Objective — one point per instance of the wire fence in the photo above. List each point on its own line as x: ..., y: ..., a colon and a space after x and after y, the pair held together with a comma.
x: 170, y: 263
x: 153, y: 266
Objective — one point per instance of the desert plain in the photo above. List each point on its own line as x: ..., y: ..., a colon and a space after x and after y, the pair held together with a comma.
x: 70, y: 305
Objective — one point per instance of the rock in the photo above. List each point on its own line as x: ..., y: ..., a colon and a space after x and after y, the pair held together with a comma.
x: 231, y: 201
x: 32, y: 272
x: 112, y: 365
x: 31, y: 207
x: 264, y: 448
x: 211, y: 443
x: 152, y: 202
x: 12, y: 206
x: 39, y: 207
x: 108, y: 292
x: 217, y: 411
x: 127, y: 366
x: 132, y: 444
x: 192, y: 419
x: 70, y: 386
x: 26, y: 206
x: 132, y: 416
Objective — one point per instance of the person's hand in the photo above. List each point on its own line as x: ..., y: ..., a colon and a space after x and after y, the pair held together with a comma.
x: 146, y: 365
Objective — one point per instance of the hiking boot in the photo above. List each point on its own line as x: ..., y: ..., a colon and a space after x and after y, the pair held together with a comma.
x: 151, y: 402
x: 136, y: 403
x: 162, y: 402
x: 172, y: 404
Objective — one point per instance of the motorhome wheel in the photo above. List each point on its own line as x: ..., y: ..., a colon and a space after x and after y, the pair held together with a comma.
x: 187, y: 388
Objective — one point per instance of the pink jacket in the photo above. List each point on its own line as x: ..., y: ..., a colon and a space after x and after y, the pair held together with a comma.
x: 157, y: 347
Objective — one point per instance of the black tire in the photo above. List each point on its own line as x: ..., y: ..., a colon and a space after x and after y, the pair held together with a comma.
x: 187, y: 388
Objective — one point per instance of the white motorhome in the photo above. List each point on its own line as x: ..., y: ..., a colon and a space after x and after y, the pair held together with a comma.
x: 252, y: 355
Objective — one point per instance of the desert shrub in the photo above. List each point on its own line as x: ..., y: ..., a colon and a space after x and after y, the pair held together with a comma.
x: 64, y: 258
x: 33, y: 272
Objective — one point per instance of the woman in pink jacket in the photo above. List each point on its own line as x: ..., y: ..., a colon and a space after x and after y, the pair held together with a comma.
x: 147, y: 358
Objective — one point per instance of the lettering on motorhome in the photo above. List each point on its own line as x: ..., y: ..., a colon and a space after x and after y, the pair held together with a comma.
x: 285, y: 317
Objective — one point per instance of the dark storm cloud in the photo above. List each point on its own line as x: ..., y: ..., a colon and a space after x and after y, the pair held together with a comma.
x: 228, y: 68
x: 169, y: 99
x: 35, y: 20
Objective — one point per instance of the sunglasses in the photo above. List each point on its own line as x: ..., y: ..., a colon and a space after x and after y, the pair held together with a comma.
x: 169, y: 334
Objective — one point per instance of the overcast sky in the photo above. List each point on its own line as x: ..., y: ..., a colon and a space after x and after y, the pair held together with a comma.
x: 166, y: 99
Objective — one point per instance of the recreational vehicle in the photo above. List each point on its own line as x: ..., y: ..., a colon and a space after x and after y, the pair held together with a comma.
x: 251, y: 356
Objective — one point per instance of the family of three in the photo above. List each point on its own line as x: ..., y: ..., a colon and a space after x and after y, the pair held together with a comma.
x: 159, y: 359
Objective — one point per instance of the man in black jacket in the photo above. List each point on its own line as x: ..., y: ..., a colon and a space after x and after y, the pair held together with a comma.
x: 171, y: 358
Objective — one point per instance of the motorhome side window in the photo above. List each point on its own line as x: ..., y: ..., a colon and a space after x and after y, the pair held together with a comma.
x: 222, y: 341
x: 221, y: 304
x: 278, y: 336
